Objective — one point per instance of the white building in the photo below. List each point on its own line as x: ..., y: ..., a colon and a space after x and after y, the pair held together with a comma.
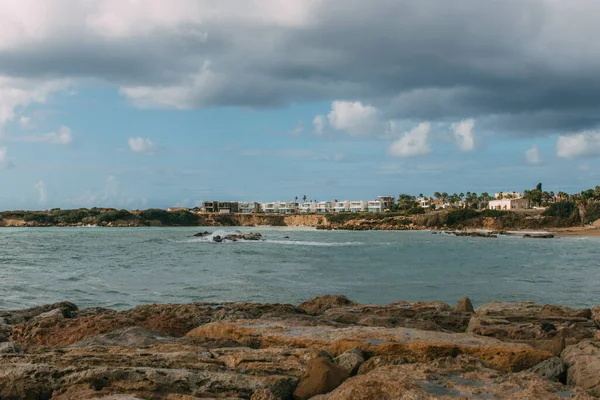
x: 508, y: 204
x: 308, y: 207
x: 341, y: 206
x: 423, y: 202
x: 270, y: 208
x: 358, y: 206
x: 324, y: 207
x: 508, y: 195
x: 248, y: 208
x: 375, y: 206
x: 288, y: 207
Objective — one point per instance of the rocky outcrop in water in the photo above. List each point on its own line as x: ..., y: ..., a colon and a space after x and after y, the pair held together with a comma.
x: 326, y: 348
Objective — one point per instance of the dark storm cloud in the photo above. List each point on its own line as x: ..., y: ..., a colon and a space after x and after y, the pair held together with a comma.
x: 528, y: 67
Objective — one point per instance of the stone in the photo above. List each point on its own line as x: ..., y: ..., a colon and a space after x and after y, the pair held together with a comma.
x: 14, y: 317
x: 322, y: 376
x: 583, y: 365
x: 553, y: 369
x: 10, y: 347
x: 350, y: 360
x: 263, y: 394
x: 319, y: 305
x: 56, y: 313
x: 128, y: 337
x: 464, y: 305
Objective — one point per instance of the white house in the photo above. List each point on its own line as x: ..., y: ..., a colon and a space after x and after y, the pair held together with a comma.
x: 423, y: 202
x: 287, y: 207
x: 270, y: 208
x: 341, y: 206
x: 358, y: 206
x: 375, y: 206
x: 508, y: 204
x: 308, y: 207
x: 324, y: 207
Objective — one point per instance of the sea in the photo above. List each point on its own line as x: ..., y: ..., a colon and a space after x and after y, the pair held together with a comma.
x: 124, y: 267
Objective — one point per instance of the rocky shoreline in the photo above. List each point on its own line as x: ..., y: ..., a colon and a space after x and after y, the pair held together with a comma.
x: 325, y: 348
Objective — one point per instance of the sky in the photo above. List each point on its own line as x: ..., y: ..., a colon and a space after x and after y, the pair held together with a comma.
x: 155, y: 103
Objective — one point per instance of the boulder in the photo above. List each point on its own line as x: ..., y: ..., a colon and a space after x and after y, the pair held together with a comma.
x: 464, y: 305
x: 322, y: 376
x: 202, y: 234
x: 320, y: 304
x: 14, y: 317
x: 553, y: 369
x: 583, y: 363
x: 350, y: 360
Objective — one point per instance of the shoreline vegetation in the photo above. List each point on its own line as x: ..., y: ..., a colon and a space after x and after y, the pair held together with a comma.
x: 561, y: 219
x: 327, y: 348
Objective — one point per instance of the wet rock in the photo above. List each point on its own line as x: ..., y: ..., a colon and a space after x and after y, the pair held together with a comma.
x: 583, y: 363
x: 350, y: 360
x: 238, y: 236
x: 14, y: 317
x: 320, y: 304
x: 476, y: 234
x: 553, y: 369
x: 464, y: 305
x: 322, y: 376
x: 202, y: 234
x: 539, y: 236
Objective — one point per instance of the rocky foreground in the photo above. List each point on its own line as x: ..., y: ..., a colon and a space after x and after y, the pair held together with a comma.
x: 327, y: 348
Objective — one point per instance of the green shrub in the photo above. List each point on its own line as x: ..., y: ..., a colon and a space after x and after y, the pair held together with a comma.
x: 561, y: 209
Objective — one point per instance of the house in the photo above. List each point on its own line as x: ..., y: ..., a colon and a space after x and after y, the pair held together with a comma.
x: 324, y: 207
x: 375, y: 206
x: 249, y: 208
x: 270, y: 208
x: 341, y: 206
x: 288, y: 207
x: 508, y: 204
x: 220, y: 206
x: 387, y: 202
x: 423, y: 202
x: 358, y: 206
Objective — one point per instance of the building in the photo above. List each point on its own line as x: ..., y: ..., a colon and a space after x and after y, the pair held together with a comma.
x: 324, y: 207
x: 375, y: 206
x: 307, y: 207
x: 359, y: 206
x: 423, y: 202
x: 223, y: 207
x: 341, y: 206
x: 387, y: 202
x: 508, y: 195
x: 288, y: 207
x: 249, y: 208
x: 509, y: 204
x: 270, y: 208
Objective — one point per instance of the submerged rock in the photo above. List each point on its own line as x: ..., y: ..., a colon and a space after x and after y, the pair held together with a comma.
x: 234, y: 237
x: 202, y: 234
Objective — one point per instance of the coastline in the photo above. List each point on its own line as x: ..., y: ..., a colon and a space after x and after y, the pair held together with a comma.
x: 326, y: 348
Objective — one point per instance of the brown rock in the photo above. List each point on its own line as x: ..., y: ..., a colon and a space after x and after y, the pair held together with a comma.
x: 263, y: 394
x: 322, y: 376
x: 583, y: 362
x: 553, y: 369
x: 351, y: 360
x: 464, y: 305
x: 318, y: 305
x: 13, y: 317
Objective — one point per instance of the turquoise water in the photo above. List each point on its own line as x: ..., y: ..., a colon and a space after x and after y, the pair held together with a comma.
x: 124, y: 267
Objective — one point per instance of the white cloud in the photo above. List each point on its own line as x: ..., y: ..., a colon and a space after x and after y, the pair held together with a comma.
x: 142, y: 145
x: 3, y: 161
x: 319, y: 124
x: 412, y: 143
x: 25, y: 122
x: 584, y: 144
x: 354, y: 118
x: 298, y: 129
x: 463, y: 134
x: 62, y: 137
x: 109, y: 195
x: 532, y: 155
x: 43, y: 194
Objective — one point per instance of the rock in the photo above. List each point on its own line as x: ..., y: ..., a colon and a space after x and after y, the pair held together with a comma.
x: 322, y: 376
x: 476, y: 234
x: 539, y: 236
x: 10, y: 347
x: 553, y: 369
x: 128, y: 337
x: 14, y: 317
x: 583, y: 363
x: 56, y: 313
x: 202, y: 234
x: 350, y: 360
x: 320, y: 304
x: 381, y: 361
x: 464, y: 305
x: 596, y: 315
x: 238, y: 236
x: 263, y: 394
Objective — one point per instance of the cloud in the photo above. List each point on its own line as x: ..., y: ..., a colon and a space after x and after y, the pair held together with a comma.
x: 298, y: 129
x: 105, y: 197
x: 353, y: 117
x: 25, y: 122
x: 541, y: 74
x: 412, y: 143
x: 62, y: 137
x: 584, y: 144
x: 43, y: 194
x: 319, y: 123
x: 532, y: 155
x: 463, y: 134
x: 142, y: 145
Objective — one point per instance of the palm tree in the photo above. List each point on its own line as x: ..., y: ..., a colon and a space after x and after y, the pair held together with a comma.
x: 437, y: 195
x: 444, y: 196
x: 420, y: 195
x: 304, y: 198
x: 581, y: 202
